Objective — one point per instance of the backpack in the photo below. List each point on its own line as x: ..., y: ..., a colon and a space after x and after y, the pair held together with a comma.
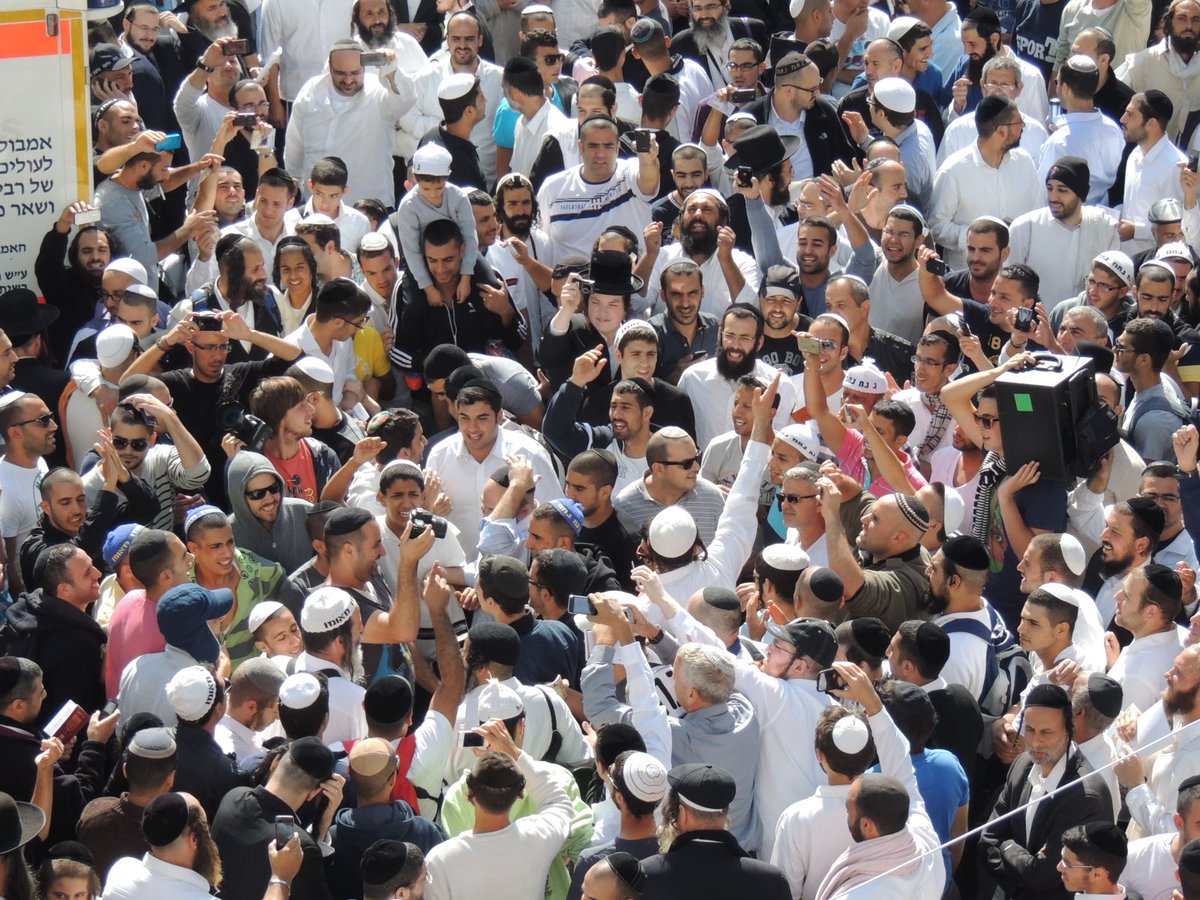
x: 1187, y: 415
x: 1007, y: 671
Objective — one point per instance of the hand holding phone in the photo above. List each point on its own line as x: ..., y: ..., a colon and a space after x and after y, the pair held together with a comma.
x: 745, y: 176
x: 828, y: 681
x: 285, y: 827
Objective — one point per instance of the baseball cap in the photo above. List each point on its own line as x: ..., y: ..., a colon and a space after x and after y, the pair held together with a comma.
x: 432, y: 159
x: 499, y: 701
x: 183, y: 614
x: 811, y: 637
x: 703, y: 787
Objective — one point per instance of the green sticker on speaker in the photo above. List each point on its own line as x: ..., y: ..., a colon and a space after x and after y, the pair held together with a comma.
x: 1024, y: 402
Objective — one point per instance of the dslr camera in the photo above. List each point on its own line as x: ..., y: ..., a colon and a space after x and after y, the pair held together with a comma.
x: 420, y: 519
x: 250, y: 430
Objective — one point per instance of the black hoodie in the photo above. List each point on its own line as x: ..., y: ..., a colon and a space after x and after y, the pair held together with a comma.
x: 69, y: 646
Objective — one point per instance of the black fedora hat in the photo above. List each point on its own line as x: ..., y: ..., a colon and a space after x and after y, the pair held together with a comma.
x: 761, y: 148
x: 19, y: 823
x: 611, y: 272
x: 21, y: 314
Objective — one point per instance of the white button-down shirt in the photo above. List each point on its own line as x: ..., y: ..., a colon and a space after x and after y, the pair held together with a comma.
x: 1152, y: 804
x: 347, y: 721
x: 1142, y: 665
x: 149, y: 878
x: 802, y: 165
x: 966, y: 188
x: 1149, y: 177
x: 962, y: 133
x: 304, y: 30
x: 811, y: 834
x: 716, y: 288
x: 341, y: 357
x: 1150, y: 867
x: 711, y: 394
x: 352, y: 225
x: 1040, y: 786
x: 234, y: 737
x: 1096, y: 138
x: 358, y: 129
x: 529, y: 136
x: 1061, y: 254
x: 463, y: 478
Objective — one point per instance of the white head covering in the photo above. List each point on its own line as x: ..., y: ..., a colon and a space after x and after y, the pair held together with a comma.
x: 1088, y: 636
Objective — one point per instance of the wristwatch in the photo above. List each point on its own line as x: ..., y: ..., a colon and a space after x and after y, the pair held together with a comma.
x: 200, y: 64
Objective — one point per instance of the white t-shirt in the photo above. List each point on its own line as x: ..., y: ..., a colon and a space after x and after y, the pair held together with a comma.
x: 341, y: 359
x: 19, y: 499
x: 577, y: 211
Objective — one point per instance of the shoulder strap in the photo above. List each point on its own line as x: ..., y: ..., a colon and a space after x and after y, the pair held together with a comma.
x: 555, y: 736
x: 1153, y: 404
x: 991, y: 667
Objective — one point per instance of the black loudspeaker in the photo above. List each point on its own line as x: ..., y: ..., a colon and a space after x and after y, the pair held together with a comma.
x: 1049, y: 413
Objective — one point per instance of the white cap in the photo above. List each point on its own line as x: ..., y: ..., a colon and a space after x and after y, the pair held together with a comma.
x: 785, y: 557
x: 192, y: 693
x: 373, y: 242
x: 114, y: 344
x: 316, y: 369
x: 895, y: 94
x: 672, y: 532
x: 1078, y: 62
x: 128, y: 266
x: 1118, y: 263
x: 954, y: 510
x: 498, y: 701
x: 804, y: 437
x: 316, y: 219
x: 260, y: 612
x: 795, y: 7
x: 850, y: 734
x: 142, y: 291
x: 644, y: 776
x: 901, y: 25
x: 866, y: 377
x: 1072, y: 553
x: 299, y: 691
x: 325, y: 609
x: 432, y: 159
x: 537, y: 8
x: 456, y: 86
x: 1175, y: 250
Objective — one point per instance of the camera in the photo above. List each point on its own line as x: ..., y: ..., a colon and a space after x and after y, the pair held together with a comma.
x: 743, y: 95
x: 937, y: 267
x: 828, y: 680
x: 206, y: 321
x: 1025, y: 319
x: 745, y: 176
x: 245, y: 120
x: 250, y: 430
x: 586, y: 286
x: 580, y: 605
x: 420, y: 519
x: 236, y: 48
x: 641, y: 141
x: 88, y: 217
x: 470, y: 739
x: 374, y: 58
x: 813, y: 345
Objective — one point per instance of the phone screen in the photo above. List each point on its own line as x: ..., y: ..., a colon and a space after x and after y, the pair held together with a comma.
x: 285, y: 827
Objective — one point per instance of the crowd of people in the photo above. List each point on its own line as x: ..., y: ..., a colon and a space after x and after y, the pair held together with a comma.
x: 571, y: 451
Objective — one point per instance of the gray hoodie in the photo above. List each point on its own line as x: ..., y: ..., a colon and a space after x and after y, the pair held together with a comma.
x: 287, y: 542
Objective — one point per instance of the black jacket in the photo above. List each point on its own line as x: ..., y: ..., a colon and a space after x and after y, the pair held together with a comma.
x: 927, y: 111
x: 557, y: 352
x: 959, y: 726
x: 824, y: 132
x: 68, y: 645
x: 67, y: 289
x: 711, y: 864
x: 203, y: 770
x: 1026, y: 868
x: 739, y: 221
x: 19, y: 747
x: 427, y: 15
x: 671, y: 406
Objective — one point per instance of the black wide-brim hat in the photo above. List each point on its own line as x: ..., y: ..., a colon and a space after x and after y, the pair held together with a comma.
x: 21, y: 314
x: 19, y: 823
x: 612, y: 273
x: 761, y: 148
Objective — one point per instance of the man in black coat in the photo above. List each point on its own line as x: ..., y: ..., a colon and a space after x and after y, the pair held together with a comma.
x: 705, y: 859
x: 796, y: 94
x: 1020, y: 854
x: 713, y: 29
x: 73, y: 289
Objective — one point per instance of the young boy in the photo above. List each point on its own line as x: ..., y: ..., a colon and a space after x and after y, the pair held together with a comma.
x: 274, y: 630
x: 435, y: 198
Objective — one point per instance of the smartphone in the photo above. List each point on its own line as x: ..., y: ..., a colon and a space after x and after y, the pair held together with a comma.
x: 245, y: 120
x: 285, y: 827
x: 236, y: 48
x: 743, y: 95
x: 88, y: 217
x: 109, y: 708
x: 470, y: 739
x: 828, y: 681
x: 1055, y: 110
x: 641, y: 141
x: 1194, y: 160
x: 580, y: 605
x: 170, y: 142
x: 206, y: 321
x: 937, y: 267
x: 745, y: 176
x: 813, y: 345
x: 963, y: 326
x: 1025, y: 319
x: 374, y: 58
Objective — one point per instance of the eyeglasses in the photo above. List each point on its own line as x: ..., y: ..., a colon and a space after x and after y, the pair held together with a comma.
x: 359, y: 325
x: 1118, y: 349
x: 42, y: 421
x: 251, y: 107
x: 1165, y: 498
x: 741, y: 67
x: 1019, y: 123
x: 812, y: 91
x: 551, y: 59
x: 792, y: 499
x: 118, y: 296
x: 986, y: 421
x: 928, y: 363
x: 212, y: 348
x: 274, y: 488
x: 999, y: 86
x: 683, y: 463
x: 1100, y: 285
x: 138, y: 444
x: 538, y: 585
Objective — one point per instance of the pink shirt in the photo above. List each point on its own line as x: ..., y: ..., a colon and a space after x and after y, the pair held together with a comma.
x: 132, y: 631
x: 851, y: 461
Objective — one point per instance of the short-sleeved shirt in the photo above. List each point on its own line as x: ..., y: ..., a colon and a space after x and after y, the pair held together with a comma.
x: 370, y: 359
x: 854, y: 464
x: 504, y: 125
x: 19, y: 499
x: 578, y: 211
x: 298, y: 473
x: 1043, y: 505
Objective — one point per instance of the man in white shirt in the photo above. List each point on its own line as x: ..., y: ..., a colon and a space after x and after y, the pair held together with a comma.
x: 252, y: 704
x: 1086, y: 131
x: 581, y: 202
x: 1147, y: 605
x: 1001, y: 77
x: 992, y: 177
x: 1152, y: 170
x: 957, y: 575
x: 327, y: 185
x: 1170, y: 66
x: 182, y: 863
x: 1060, y: 240
x: 526, y: 93
x: 332, y: 628
x: 466, y: 460
x: 729, y: 275
x: 348, y: 113
x: 852, y: 37
x: 1152, y: 862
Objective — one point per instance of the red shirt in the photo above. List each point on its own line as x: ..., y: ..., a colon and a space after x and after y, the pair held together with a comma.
x: 132, y: 631
x: 299, y: 474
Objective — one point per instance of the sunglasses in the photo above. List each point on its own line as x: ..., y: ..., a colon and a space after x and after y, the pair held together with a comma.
x: 683, y: 463
x: 43, y: 421
x: 792, y: 499
x: 138, y: 444
x: 262, y: 492
x: 986, y: 421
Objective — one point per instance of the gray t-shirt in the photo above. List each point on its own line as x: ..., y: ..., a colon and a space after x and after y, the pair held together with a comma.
x: 518, y: 389
x: 704, y: 502
x: 123, y: 212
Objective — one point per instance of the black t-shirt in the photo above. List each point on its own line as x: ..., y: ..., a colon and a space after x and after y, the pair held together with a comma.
x: 782, y: 352
x: 978, y: 317
x: 618, y: 538
x: 891, y: 353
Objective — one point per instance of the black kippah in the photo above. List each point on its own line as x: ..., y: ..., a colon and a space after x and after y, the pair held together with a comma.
x: 721, y: 598
x: 346, y: 520
x: 989, y: 109
x: 1164, y: 580
x: 164, y: 819
x: 966, y: 552
x: 1048, y: 695
x: 1108, y: 838
x: 1105, y: 694
x: 313, y: 757
x: 871, y: 635
x: 627, y: 868
x: 389, y: 700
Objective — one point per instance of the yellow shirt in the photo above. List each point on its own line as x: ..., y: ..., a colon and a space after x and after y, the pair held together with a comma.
x: 371, y: 359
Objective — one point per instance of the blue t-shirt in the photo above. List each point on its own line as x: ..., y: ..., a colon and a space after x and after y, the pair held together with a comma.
x: 1037, y: 33
x: 504, y: 126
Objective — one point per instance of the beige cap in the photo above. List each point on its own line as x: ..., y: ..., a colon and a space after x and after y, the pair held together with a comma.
x: 371, y: 756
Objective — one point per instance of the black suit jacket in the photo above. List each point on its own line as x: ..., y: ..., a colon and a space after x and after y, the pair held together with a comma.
x: 1026, y: 868
x: 684, y: 43
x: 824, y: 133
x: 427, y: 15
